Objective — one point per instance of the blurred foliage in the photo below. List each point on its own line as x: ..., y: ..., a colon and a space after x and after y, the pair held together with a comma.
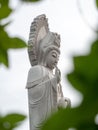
x: 84, y: 78
x: 13, y: 120
x: 97, y: 3
x: 7, y: 42
x: 10, y: 121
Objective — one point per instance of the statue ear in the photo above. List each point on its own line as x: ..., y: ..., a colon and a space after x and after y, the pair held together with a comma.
x: 38, y: 30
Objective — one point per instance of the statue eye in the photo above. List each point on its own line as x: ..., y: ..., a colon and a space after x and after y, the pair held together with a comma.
x: 54, y: 55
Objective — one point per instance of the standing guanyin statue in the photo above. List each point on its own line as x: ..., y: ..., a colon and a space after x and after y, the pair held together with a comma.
x: 45, y: 94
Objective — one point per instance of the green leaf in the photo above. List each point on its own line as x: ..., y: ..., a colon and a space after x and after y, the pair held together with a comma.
x: 86, y: 70
x: 4, y: 57
x: 4, y: 38
x: 16, y: 43
x: 3, y: 47
x: 70, y: 118
x: 5, y: 11
x: 77, y: 81
x: 11, y: 121
x: 6, y: 24
x: 4, y: 2
x: 10, y: 43
x: 94, y: 48
x: 6, y: 43
x: 97, y: 3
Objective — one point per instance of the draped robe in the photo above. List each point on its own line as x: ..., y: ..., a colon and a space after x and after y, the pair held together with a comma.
x: 42, y: 95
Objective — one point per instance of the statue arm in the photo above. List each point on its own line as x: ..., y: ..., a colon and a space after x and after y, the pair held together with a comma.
x: 63, y: 102
x: 58, y: 75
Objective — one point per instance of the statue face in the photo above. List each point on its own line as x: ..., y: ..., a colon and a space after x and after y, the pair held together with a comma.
x: 52, y: 59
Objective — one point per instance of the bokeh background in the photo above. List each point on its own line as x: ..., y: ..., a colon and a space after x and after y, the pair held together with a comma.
x: 64, y: 17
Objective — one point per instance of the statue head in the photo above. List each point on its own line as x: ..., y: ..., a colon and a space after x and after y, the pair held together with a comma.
x: 48, y: 50
x: 43, y: 44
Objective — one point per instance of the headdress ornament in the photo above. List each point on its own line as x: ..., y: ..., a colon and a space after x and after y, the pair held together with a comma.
x: 38, y: 30
x: 40, y: 38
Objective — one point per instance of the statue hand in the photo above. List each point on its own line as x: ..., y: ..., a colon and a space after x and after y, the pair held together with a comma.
x: 58, y: 74
x: 64, y: 103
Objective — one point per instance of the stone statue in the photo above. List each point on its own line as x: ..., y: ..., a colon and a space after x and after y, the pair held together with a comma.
x: 45, y: 94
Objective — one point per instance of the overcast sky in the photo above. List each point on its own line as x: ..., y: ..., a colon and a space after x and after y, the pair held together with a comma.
x: 64, y: 18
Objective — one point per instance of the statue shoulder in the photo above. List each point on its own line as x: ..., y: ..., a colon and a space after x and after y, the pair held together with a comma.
x: 36, y: 72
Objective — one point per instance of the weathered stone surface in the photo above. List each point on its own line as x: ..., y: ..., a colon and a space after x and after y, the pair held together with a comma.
x: 45, y: 94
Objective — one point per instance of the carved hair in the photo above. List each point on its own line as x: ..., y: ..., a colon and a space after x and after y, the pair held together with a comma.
x: 49, y: 43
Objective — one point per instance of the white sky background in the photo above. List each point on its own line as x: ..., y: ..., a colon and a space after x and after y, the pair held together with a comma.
x: 65, y: 19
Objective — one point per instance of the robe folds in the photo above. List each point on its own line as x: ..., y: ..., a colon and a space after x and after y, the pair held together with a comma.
x: 42, y: 95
